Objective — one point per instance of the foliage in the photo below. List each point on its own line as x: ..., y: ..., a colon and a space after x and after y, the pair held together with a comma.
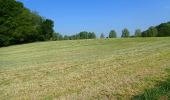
x: 112, y: 34
x: 162, y: 30
x: 47, y: 28
x: 57, y: 36
x: 138, y: 33
x: 125, y: 33
x: 81, y: 35
x: 152, y: 32
x: 19, y: 25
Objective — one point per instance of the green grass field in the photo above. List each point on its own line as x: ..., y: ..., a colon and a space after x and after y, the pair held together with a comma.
x: 104, y: 69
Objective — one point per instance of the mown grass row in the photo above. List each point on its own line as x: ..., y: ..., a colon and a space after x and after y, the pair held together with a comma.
x: 85, y: 69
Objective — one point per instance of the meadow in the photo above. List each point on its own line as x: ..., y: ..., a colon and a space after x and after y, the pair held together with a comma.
x: 101, y: 69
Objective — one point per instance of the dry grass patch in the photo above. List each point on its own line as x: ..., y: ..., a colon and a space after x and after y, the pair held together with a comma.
x: 83, y: 69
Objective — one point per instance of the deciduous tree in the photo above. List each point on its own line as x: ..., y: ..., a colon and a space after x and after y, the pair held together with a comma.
x: 125, y: 33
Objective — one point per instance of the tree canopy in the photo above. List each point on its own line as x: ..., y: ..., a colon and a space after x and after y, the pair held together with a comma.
x: 151, y: 32
x: 138, y: 33
x: 83, y: 35
x: 20, y: 25
x: 112, y: 34
x: 125, y: 33
x: 161, y: 30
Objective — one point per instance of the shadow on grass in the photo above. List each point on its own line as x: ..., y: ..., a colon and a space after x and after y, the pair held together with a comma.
x: 160, y: 92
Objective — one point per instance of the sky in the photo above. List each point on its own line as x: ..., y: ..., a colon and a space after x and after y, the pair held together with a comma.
x: 101, y: 16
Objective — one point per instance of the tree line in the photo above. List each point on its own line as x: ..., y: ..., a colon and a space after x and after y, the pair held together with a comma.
x: 81, y: 35
x: 162, y: 30
x: 20, y: 25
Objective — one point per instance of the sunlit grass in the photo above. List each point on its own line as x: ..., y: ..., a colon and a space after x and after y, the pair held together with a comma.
x: 83, y: 69
x: 160, y: 91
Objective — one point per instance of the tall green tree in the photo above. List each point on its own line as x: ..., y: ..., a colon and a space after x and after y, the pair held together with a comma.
x: 83, y: 35
x: 163, y: 29
x: 91, y: 35
x: 138, y: 33
x: 9, y: 9
x: 125, y: 33
x: 152, y: 32
x: 47, y: 28
x: 112, y: 34
x: 20, y: 25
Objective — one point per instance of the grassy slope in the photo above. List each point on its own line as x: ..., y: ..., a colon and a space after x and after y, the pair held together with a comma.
x: 83, y: 69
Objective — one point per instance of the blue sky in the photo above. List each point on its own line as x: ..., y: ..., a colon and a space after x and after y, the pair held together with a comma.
x: 100, y: 16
